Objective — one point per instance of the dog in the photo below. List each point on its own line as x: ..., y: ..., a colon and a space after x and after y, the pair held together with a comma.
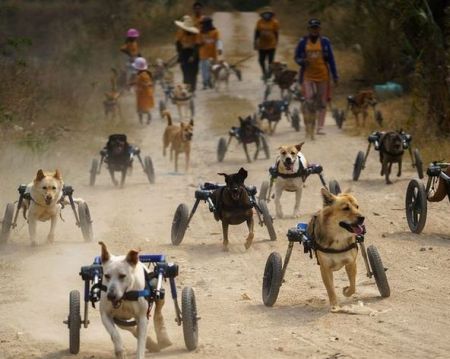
x: 359, y: 105
x: 117, y: 155
x: 290, y: 175
x: 179, y: 138
x: 123, y: 274
x: 334, y: 229
x: 233, y: 205
x: 272, y: 111
x: 310, y: 108
x: 43, y: 202
x: 248, y: 132
x: 220, y: 73
x: 391, y: 151
x: 111, y: 103
x: 182, y: 98
x: 439, y: 193
x: 282, y: 76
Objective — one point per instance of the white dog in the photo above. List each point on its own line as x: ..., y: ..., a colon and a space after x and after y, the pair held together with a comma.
x: 220, y: 73
x: 290, y: 167
x: 182, y: 98
x: 124, y: 274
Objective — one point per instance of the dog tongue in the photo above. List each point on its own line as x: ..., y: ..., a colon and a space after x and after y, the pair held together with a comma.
x: 358, y: 229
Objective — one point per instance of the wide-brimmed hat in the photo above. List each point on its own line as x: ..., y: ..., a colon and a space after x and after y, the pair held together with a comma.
x: 266, y: 10
x: 140, y: 64
x: 187, y: 24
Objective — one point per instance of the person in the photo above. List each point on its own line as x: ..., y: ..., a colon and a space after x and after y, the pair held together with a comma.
x: 314, y: 55
x: 197, y: 8
x: 144, y: 89
x: 266, y: 39
x: 210, y: 48
x: 131, y: 49
x: 187, y: 45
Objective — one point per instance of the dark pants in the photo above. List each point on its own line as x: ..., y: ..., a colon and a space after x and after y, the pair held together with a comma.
x: 266, y: 55
x: 189, y: 69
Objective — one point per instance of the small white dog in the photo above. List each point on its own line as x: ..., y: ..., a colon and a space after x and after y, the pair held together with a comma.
x: 182, y: 98
x: 220, y: 73
x: 124, y: 274
x: 290, y: 167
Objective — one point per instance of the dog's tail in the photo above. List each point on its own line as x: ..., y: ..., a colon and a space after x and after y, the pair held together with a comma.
x: 168, y: 117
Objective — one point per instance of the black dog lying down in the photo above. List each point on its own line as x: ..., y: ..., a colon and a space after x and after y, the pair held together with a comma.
x: 233, y: 205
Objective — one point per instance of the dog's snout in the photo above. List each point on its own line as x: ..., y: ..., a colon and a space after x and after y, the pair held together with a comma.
x: 360, y: 219
x: 112, y: 296
x: 288, y: 160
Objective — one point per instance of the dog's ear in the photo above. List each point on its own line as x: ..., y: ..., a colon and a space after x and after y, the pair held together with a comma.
x: 105, y: 254
x: 132, y: 257
x: 328, y: 198
x: 39, y: 176
x: 57, y: 175
x: 242, y: 173
x: 299, y: 146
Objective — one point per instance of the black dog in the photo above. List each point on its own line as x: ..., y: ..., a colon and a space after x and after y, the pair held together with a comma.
x: 117, y: 155
x: 391, y: 151
x: 233, y: 205
x: 248, y: 132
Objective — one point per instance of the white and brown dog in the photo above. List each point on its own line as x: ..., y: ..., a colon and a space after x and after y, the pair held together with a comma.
x: 182, y: 97
x: 290, y: 167
x: 124, y: 274
x: 220, y: 73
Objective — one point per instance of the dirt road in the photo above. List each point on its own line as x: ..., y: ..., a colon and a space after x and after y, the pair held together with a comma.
x: 35, y: 282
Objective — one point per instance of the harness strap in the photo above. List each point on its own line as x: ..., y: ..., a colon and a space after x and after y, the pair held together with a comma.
x: 318, y: 247
x: 300, y: 172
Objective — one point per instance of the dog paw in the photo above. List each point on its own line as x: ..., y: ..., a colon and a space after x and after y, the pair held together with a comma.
x: 348, y: 292
x: 249, y: 240
x: 164, y: 343
x: 50, y: 238
x: 225, y: 248
x: 121, y: 355
x: 335, y: 309
x: 388, y: 182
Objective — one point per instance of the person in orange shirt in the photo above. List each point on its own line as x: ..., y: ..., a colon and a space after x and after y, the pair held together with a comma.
x: 210, y: 48
x: 197, y: 8
x: 143, y: 84
x: 131, y: 49
x: 266, y: 39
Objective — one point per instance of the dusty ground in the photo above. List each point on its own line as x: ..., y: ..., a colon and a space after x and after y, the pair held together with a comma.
x: 35, y: 282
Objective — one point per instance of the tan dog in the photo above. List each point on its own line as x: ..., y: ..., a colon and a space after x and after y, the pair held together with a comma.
x: 111, y: 103
x: 334, y: 228
x: 290, y: 166
x: 182, y: 98
x: 124, y: 274
x: 360, y: 103
x: 179, y: 138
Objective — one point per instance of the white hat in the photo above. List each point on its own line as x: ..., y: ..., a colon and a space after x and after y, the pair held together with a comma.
x: 140, y: 64
x: 187, y: 24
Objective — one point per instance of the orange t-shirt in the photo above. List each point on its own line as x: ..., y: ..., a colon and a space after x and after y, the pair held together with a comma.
x: 208, y: 44
x: 316, y: 69
x: 187, y: 39
x: 267, y: 34
x: 144, y: 91
x: 131, y: 48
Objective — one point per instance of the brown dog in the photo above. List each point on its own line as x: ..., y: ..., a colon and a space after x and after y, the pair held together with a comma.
x: 360, y: 103
x: 111, y: 103
x: 391, y: 151
x: 233, y: 205
x: 179, y: 138
x: 333, y: 229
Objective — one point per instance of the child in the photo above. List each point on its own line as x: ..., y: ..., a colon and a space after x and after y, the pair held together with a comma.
x: 210, y: 47
x: 131, y: 49
x: 144, y: 89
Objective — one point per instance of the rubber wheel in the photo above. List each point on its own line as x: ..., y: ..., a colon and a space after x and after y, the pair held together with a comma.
x: 192, y: 107
x: 267, y: 92
x: 272, y: 279
x: 74, y: 322
x: 179, y: 224
x: 162, y: 108
x: 416, y: 206
x: 296, y: 120
x: 379, y: 272
x: 334, y: 187
x: 419, y: 163
x: 85, y: 221
x: 358, y: 166
x: 267, y: 219
x: 189, y: 318
x: 149, y: 169
x: 221, y: 149
x: 7, y: 223
x: 265, y: 147
x: 93, y: 172
x: 340, y: 118
x: 263, y: 191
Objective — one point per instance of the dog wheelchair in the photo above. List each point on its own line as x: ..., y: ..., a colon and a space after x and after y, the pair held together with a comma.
x: 340, y: 116
x: 265, y: 192
x: 183, y: 217
x: 417, y: 195
x: 275, y: 269
x: 92, y: 276
x: 169, y: 97
x: 82, y: 215
x: 118, y: 155
x: 272, y: 110
x: 246, y: 134
x: 375, y: 139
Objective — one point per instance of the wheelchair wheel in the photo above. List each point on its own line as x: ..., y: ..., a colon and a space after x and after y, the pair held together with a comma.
x: 340, y: 118
x: 221, y: 149
x: 272, y: 279
x: 416, y: 206
x: 263, y: 191
x: 74, y: 322
x: 265, y: 146
x: 85, y: 221
x: 418, y: 162
x: 358, y: 166
x: 296, y: 119
x: 179, y: 224
x: 7, y: 223
x: 267, y: 219
x: 93, y: 172
x: 189, y: 318
x: 149, y: 169
x: 334, y: 187
x: 192, y: 107
x: 162, y: 108
x: 267, y: 91
x: 378, y: 271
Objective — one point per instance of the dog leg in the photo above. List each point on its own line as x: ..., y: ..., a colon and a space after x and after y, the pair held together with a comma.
x: 351, y: 273
x: 225, y: 235
x: 278, y: 209
x: 32, y: 223
x: 188, y: 158
x: 327, y: 278
x: 122, y: 179
x: 258, y: 147
x: 399, y: 173
x: 160, y: 327
x: 111, y: 328
x: 142, y: 325
x: 387, y: 170
x: 176, y: 162
x: 251, y: 234
x: 246, y: 153
x: 113, y: 178
x: 150, y: 344
x: 51, y: 235
x: 140, y: 118
x: 298, y: 198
